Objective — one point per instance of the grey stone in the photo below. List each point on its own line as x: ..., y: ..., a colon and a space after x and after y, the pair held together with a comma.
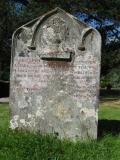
x: 55, y: 73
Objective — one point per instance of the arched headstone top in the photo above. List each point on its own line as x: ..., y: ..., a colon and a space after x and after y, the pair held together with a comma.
x: 52, y: 32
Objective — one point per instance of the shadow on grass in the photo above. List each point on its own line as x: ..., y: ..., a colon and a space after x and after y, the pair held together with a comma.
x: 108, y: 127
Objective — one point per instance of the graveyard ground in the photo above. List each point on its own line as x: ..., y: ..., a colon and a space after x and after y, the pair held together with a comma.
x: 21, y: 145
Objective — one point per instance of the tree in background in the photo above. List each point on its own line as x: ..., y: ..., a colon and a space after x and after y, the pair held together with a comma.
x: 103, y: 15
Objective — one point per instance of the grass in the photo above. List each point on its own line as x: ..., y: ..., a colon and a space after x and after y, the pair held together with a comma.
x: 28, y: 146
x: 109, y: 108
x: 4, y: 116
x: 19, y: 145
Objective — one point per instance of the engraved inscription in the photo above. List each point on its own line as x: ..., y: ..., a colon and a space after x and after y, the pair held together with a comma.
x: 39, y: 74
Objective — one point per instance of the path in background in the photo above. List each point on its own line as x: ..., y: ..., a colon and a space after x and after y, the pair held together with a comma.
x: 4, y: 100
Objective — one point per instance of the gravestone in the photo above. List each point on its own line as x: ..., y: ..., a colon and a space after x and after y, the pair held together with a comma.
x: 55, y: 73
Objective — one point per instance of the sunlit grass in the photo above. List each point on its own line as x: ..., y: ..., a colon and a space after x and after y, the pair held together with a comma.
x: 109, y: 109
x: 21, y: 145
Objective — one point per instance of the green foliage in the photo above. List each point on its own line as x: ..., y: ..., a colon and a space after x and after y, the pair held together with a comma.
x: 110, y: 58
x: 114, y: 77
x: 104, y: 8
x: 104, y: 81
x: 5, y: 74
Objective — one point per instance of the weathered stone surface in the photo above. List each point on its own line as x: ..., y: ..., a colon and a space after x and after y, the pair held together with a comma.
x: 55, y: 72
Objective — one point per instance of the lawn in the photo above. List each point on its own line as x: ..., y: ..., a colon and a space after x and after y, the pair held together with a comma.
x: 4, y: 116
x: 21, y: 145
